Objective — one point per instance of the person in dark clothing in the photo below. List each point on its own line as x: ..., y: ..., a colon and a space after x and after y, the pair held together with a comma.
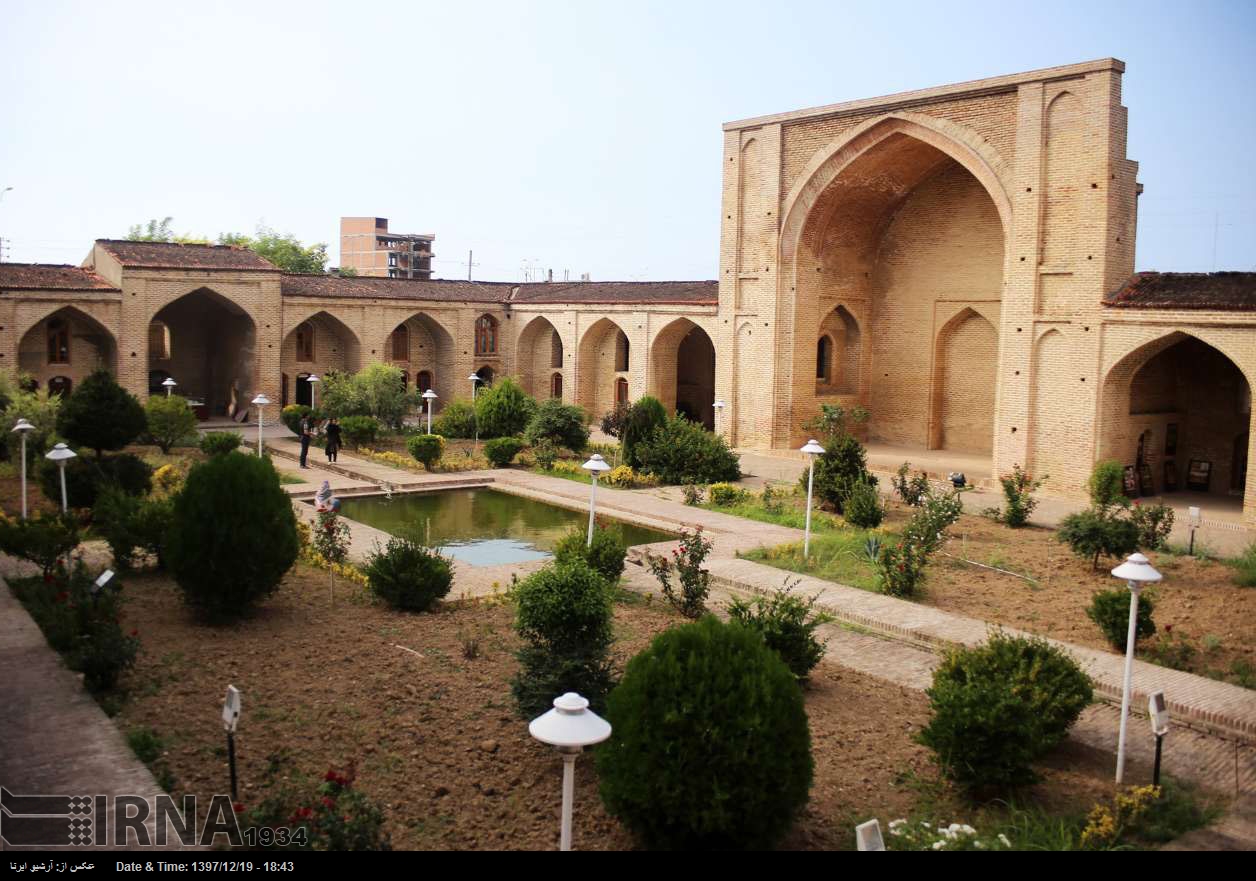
x: 307, y: 431
x: 333, y: 439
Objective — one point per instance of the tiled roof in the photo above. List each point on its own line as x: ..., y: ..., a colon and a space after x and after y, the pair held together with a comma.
x: 686, y: 293
x: 50, y: 276
x: 169, y: 255
x: 1220, y: 291
x: 294, y: 285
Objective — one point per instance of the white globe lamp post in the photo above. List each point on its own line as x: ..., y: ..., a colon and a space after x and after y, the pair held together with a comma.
x: 476, y: 379
x: 313, y: 380
x: 169, y: 383
x: 259, y: 402
x: 1137, y: 571
x: 429, y: 401
x: 595, y: 466
x: 61, y: 454
x: 23, y: 428
x: 812, y: 449
x: 719, y: 414
x: 570, y: 726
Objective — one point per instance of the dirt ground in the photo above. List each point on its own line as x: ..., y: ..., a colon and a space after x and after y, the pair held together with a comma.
x: 434, y: 734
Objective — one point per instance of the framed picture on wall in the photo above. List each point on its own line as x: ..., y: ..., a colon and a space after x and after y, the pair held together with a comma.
x: 1170, y: 439
x: 1170, y: 477
x: 1198, y: 475
x: 1131, y: 481
x: 1146, y: 484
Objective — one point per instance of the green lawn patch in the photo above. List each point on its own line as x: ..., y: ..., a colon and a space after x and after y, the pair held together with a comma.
x: 835, y: 556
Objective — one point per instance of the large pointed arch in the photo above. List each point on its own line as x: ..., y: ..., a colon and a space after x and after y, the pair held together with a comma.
x: 596, y: 365
x: 682, y: 370
x: 329, y: 344
x: 429, y: 350
x: 539, y: 355
x: 212, y: 351
x: 83, y: 344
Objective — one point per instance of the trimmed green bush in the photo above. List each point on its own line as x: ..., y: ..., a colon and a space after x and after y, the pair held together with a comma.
x: 1110, y: 610
x: 501, y: 451
x: 564, y: 616
x: 560, y: 424
x: 1001, y: 706
x: 862, y: 506
x: 169, y: 420
x: 101, y: 415
x: 710, y: 748
x: 457, y: 419
x: 1154, y: 523
x: 42, y: 539
x: 359, y: 431
x: 503, y: 409
x: 683, y: 452
x: 725, y: 494
x: 1092, y: 534
x: 409, y: 576
x: 638, y: 425
x: 842, y: 466
x: 233, y: 537
x: 219, y: 443
x: 85, y: 476
x: 426, y: 448
x: 605, y: 556
x: 787, y: 624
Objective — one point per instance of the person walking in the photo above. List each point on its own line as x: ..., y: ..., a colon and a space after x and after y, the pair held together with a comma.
x: 333, y: 439
x: 307, y: 432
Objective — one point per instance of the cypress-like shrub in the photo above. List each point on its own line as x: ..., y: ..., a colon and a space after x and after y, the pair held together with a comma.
x: 638, y: 425
x: 101, y: 415
x: 710, y: 747
x: 1001, y: 706
x: 409, y: 576
x: 501, y: 451
x: 233, y: 537
x: 503, y: 409
x: 839, y: 469
x: 426, y: 448
x: 605, y: 556
x: 862, y: 506
x: 1110, y: 610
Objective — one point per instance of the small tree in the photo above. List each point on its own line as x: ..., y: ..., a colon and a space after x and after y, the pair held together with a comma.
x: 1018, y: 490
x: 1110, y: 610
x: 638, y: 426
x: 688, y: 596
x: 234, y: 535
x: 426, y: 448
x: 101, y: 415
x: 606, y: 554
x: 170, y: 420
x: 561, y: 424
x: 43, y: 539
x: 503, y: 409
x: 787, y: 623
x: 1107, y: 486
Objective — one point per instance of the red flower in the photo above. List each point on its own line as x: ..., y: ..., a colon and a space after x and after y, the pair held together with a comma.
x: 135, y: 633
x: 47, y: 578
x: 238, y: 807
x: 1168, y: 628
x: 329, y: 802
x: 62, y: 597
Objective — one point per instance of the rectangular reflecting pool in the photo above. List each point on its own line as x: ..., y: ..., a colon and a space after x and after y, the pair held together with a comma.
x: 480, y: 527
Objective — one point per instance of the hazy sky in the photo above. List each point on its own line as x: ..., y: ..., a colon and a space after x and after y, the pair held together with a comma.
x: 573, y: 135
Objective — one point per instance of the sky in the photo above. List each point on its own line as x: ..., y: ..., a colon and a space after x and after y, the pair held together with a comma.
x: 573, y: 136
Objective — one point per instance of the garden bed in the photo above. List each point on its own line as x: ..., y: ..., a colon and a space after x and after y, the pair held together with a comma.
x: 434, y: 734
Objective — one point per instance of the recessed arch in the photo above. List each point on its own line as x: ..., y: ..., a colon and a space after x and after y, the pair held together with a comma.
x: 538, y: 352
x: 682, y: 370
x: 67, y: 344
x: 213, y: 351
x: 428, y: 350
x: 595, y: 365
x: 330, y: 345
x: 964, y: 379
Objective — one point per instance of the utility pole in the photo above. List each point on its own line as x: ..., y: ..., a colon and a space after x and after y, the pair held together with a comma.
x: 470, y: 254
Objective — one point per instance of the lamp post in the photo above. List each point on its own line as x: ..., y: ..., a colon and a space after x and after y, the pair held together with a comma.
x: 1195, y: 517
x: 1136, y: 571
x: 571, y: 727
x: 429, y: 401
x: 61, y: 454
x: 313, y: 380
x: 259, y: 402
x: 595, y: 466
x: 169, y: 383
x: 812, y: 449
x: 719, y: 414
x: 476, y: 379
x: 23, y: 428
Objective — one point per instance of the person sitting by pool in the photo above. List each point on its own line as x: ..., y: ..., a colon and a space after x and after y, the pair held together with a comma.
x: 324, y: 500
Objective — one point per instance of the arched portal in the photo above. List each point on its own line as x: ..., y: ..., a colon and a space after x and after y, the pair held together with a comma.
x: 422, y: 346
x: 682, y: 371
x: 1188, y: 406
x: 318, y: 345
x: 539, y: 353
x: 904, y: 221
x: 602, y: 350
x: 66, y: 345
x: 965, y: 373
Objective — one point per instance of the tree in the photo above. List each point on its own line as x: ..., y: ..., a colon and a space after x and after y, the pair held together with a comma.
x: 283, y: 250
x: 101, y: 415
x: 170, y: 420
x: 162, y: 231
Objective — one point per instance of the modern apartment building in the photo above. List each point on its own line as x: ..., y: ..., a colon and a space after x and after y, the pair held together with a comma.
x: 367, y: 246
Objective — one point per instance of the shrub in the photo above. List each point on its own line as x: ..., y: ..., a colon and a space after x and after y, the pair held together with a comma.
x: 457, y: 419
x: 911, y: 490
x: 711, y: 747
x: 1154, y: 523
x: 409, y: 576
x: 605, y: 556
x: 770, y: 499
x: 682, y: 452
x: 501, y: 451
x: 900, y: 568
x: 291, y: 416
x: 1018, y: 489
x: 624, y: 477
x: 42, y: 539
x: 863, y: 505
x: 377, y: 391
x: 1107, y: 486
x: 84, y: 477
x: 787, y: 624
x: 359, y: 430
x: 233, y: 537
x: 638, y: 426
x: 330, y: 538
x: 169, y: 420
x: 503, y: 409
x: 150, y: 527
x: 689, y: 596
x: 613, y: 420
x: 938, y: 512
x: 560, y: 424
x: 726, y: 494
x: 841, y: 466
x: 693, y: 494
x: 545, y: 453
x: 564, y: 616
x: 40, y: 409
x: 219, y: 443
x: 1169, y: 649
x: 426, y: 448
x: 1245, y: 567
x: 999, y: 707
x: 101, y: 415
x: 336, y: 817
x: 1110, y: 609
x: 1092, y: 534
x: 112, y: 518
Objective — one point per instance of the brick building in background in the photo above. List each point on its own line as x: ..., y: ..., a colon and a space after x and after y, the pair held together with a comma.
x: 367, y: 246
x: 959, y: 260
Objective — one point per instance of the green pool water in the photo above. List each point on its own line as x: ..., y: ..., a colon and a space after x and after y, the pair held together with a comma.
x: 481, y: 527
